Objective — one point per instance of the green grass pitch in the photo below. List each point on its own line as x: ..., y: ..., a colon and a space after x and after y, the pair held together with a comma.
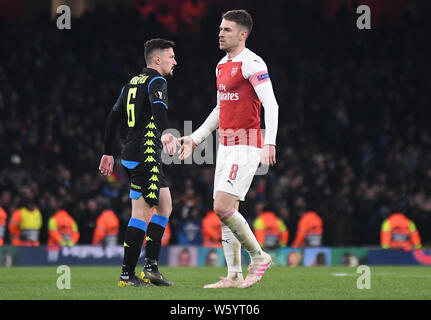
x: 279, y: 283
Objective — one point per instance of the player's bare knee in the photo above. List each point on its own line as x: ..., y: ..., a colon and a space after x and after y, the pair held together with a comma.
x: 164, y: 210
x: 138, y: 214
x: 221, y: 209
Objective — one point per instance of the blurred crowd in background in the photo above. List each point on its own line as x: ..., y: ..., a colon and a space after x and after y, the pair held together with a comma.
x: 354, y: 140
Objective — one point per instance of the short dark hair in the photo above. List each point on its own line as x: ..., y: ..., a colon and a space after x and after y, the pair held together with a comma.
x: 241, y: 17
x: 156, y: 44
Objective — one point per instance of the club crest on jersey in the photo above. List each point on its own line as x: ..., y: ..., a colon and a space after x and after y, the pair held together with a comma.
x: 234, y: 71
x: 159, y: 95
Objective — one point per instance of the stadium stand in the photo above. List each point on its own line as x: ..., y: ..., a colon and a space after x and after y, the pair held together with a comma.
x: 354, y: 135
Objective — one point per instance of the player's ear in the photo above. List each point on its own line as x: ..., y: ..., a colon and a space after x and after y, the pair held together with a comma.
x: 156, y: 59
x: 244, y: 34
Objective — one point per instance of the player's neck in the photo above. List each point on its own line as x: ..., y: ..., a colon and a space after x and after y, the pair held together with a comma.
x: 233, y: 53
x: 155, y: 67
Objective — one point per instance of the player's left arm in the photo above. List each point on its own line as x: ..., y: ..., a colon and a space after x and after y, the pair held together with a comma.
x: 106, y: 165
x: 261, y: 82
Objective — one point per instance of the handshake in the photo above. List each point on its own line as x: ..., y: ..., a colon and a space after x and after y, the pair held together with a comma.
x: 170, y: 144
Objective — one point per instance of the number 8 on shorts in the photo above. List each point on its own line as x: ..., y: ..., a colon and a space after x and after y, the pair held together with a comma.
x: 233, y: 172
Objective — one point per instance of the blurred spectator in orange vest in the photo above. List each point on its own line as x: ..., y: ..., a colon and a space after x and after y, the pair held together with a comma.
x: 3, y: 218
x: 211, y: 230
x: 399, y: 232
x: 106, y: 229
x: 25, y: 224
x: 309, y: 230
x: 270, y: 230
x: 62, y: 229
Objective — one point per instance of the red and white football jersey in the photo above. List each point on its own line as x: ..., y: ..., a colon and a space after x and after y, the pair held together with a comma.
x: 239, y: 122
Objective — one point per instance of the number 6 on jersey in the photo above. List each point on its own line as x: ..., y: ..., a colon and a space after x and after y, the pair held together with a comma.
x: 131, y: 107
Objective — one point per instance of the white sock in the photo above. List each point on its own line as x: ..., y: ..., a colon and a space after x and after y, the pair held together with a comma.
x: 232, y: 253
x: 240, y: 228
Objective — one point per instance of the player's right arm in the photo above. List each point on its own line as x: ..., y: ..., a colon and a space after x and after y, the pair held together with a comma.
x: 106, y: 165
x: 210, y: 124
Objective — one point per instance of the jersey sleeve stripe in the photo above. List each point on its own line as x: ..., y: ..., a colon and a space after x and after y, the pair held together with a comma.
x: 259, y: 78
x: 161, y: 103
x: 155, y: 78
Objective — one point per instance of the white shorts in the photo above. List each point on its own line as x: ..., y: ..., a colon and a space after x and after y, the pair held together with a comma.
x: 235, y: 169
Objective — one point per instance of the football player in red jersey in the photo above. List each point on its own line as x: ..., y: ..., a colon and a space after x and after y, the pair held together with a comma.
x: 243, y: 85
